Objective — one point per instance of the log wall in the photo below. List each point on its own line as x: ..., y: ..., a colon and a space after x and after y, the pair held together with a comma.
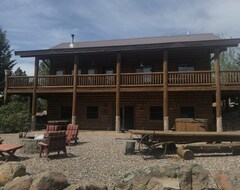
x: 141, y: 103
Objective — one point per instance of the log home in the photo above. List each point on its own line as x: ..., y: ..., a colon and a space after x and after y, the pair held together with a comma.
x: 141, y: 83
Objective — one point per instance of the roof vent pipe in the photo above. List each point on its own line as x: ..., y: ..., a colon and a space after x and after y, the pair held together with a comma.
x: 72, y: 42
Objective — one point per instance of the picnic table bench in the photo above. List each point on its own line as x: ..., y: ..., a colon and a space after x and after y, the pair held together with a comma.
x: 10, y: 149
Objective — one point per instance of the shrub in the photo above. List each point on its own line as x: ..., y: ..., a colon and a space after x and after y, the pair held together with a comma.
x: 14, y: 117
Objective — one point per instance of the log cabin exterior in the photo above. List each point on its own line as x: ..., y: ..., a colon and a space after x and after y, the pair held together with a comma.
x: 141, y: 83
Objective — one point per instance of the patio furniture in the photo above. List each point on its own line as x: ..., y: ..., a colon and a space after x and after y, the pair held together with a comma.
x: 72, y: 134
x: 55, y: 142
x: 10, y: 149
x: 51, y: 128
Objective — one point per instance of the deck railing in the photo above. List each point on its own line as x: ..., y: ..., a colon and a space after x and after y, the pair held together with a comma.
x: 127, y: 79
x: 230, y: 77
x: 20, y: 81
x: 55, y: 80
x: 191, y: 78
x: 144, y: 79
x: 96, y: 80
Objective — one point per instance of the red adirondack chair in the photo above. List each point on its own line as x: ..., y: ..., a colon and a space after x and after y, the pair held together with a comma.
x: 72, y: 134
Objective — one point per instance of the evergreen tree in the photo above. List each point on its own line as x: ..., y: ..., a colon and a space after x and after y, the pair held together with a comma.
x: 5, y: 57
x: 19, y: 72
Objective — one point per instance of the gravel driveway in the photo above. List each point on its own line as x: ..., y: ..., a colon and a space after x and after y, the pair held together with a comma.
x: 100, y: 157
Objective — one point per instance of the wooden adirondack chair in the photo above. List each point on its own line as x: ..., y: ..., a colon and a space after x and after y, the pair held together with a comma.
x: 51, y: 128
x: 55, y: 142
x: 72, y: 134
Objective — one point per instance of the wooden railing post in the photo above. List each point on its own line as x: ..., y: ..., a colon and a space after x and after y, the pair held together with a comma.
x: 74, y: 102
x: 34, y: 95
x: 218, y: 92
x: 165, y: 91
x: 118, y: 81
x: 7, y: 73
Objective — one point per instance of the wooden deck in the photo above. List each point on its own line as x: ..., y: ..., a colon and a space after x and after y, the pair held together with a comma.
x: 177, y: 81
x: 190, y: 137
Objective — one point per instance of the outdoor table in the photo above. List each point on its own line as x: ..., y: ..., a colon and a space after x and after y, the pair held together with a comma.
x: 10, y: 149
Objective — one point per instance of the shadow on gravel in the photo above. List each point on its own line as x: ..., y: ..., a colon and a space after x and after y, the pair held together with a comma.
x: 61, y: 156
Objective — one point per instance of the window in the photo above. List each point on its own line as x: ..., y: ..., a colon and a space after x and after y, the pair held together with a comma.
x: 186, y: 67
x: 146, y: 69
x: 187, y: 112
x: 92, y: 112
x: 78, y: 71
x: 91, y: 71
x: 66, y: 112
x: 59, y: 72
x: 156, y: 113
x: 109, y: 79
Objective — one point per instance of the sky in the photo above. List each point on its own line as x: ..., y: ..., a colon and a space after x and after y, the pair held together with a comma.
x: 42, y: 24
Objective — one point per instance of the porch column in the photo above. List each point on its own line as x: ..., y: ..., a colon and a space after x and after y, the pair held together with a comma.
x: 218, y: 92
x: 7, y: 73
x: 165, y: 91
x: 118, y: 81
x: 34, y: 95
x: 74, y: 101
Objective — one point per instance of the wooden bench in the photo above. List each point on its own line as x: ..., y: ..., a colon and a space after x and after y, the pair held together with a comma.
x: 10, y: 149
x: 55, y: 142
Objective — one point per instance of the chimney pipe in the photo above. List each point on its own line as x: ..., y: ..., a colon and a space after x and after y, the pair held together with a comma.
x: 72, y: 42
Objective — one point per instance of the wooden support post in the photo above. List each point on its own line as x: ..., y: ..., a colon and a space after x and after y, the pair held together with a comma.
x: 165, y: 91
x: 118, y: 83
x: 218, y: 92
x: 7, y: 73
x: 74, y: 102
x: 34, y: 96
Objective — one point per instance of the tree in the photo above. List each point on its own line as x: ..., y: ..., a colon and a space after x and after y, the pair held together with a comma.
x: 5, y: 57
x: 19, y: 72
x: 44, y: 67
x: 230, y: 59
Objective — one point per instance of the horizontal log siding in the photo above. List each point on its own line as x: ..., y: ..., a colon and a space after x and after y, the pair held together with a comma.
x: 141, y: 103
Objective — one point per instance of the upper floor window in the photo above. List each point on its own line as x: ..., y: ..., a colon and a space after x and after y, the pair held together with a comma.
x: 142, y: 69
x: 185, y: 67
x: 92, y: 71
x: 78, y: 72
x: 59, y: 72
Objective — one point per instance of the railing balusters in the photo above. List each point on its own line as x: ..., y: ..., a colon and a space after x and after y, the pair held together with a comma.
x: 129, y: 79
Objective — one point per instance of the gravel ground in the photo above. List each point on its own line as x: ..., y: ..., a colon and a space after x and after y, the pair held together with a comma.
x: 100, y: 157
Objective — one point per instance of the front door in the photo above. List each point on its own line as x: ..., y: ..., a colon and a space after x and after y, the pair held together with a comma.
x: 127, y: 116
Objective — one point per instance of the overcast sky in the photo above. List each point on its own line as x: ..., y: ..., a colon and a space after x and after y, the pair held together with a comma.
x: 41, y: 24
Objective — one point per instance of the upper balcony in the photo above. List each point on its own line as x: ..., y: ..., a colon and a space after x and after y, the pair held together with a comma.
x: 177, y: 81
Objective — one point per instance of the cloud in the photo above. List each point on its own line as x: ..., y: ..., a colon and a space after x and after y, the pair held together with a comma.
x: 40, y: 24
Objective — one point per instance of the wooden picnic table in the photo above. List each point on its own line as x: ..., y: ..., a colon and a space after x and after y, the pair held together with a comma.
x: 10, y: 149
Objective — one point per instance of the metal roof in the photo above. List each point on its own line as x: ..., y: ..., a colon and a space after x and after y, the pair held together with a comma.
x: 139, y: 41
x: 209, y: 41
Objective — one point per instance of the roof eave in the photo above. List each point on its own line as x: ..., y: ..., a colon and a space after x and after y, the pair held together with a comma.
x: 223, y: 43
